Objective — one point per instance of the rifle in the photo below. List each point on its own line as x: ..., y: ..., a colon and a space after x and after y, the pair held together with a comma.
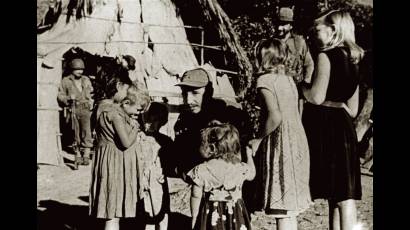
x: 71, y: 109
x: 71, y: 117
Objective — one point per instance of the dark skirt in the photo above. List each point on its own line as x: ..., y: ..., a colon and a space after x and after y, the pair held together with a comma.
x: 335, y: 162
x: 218, y: 215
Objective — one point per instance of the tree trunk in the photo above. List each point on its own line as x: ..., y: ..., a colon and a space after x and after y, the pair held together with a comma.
x: 216, y: 15
x: 362, y: 122
x: 364, y: 131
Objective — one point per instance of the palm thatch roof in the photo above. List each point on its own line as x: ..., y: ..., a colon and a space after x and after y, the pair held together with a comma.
x: 146, y: 29
x: 73, y: 12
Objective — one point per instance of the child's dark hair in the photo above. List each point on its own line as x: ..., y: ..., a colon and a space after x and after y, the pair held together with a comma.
x: 157, y: 111
x: 120, y: 76
x: 136, y: 95
x: 221, y: 140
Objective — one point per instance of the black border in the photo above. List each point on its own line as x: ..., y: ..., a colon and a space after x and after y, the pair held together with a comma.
x: 390, y: 115
x: 19, y: 121
x: 18, y: 86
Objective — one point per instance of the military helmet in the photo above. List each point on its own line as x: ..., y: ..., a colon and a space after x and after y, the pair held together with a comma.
x: 77, y: 63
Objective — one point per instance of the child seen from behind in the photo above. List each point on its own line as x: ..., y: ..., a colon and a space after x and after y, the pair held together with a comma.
x: 216, y: 198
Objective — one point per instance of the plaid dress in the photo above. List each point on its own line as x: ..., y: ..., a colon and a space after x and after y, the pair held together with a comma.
x: 282, y: 161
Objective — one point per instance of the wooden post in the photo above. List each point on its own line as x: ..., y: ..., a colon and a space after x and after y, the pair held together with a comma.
x: 202, y: 48
x: 60, y: 157
x: 215, y: 15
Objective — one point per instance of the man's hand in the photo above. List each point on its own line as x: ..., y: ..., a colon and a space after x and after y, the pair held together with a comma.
x: 134, y: 121
x: 70, y: 101
x: 252, y: 147
x: 91, y: 104
x: 348, y: 110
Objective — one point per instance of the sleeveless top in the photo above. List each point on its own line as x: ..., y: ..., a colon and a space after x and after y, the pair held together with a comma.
x: 344, y: 75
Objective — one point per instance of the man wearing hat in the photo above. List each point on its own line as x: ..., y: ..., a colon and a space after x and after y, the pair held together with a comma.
x: 198, y: 109
x: 75, y: 92
x: 299, y: 63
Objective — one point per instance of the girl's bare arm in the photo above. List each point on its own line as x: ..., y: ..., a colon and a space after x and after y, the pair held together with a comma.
x: 196, y: 196
x: 126, y: 139
x: 252, y: 173
x: 272, y: 119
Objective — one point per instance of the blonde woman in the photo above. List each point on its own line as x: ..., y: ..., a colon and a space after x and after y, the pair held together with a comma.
x: 328, y: 119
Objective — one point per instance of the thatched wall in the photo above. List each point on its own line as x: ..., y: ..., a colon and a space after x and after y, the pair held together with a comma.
x: 48, y: 127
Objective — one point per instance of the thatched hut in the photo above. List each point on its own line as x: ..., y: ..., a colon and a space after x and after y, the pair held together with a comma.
x: 149, y: 30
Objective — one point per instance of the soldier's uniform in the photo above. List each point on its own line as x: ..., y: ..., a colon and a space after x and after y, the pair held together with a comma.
x: 76, y: 95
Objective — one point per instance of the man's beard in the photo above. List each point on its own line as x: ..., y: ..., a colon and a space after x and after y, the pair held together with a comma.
x: 190, y: 108
x: 282, y: 34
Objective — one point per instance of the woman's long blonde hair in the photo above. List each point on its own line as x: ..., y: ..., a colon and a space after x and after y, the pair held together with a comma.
x: 343, y: 26
x: 347, y: 25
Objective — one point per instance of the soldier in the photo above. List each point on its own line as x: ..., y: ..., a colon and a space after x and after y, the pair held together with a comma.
x: 299, y: 62
x: 75, y: 92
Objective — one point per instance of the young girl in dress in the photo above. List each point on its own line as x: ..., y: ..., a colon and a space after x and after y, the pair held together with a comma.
x: 216, y: 198
x: 114, y: 181
x: 333, y: 101
x: 282, y: 152
x: 115, y: 92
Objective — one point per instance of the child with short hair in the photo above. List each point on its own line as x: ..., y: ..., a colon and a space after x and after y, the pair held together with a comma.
x: 154, y: 186
x: 114, y: 181
x: 216, y: 198
x: 155, y: 118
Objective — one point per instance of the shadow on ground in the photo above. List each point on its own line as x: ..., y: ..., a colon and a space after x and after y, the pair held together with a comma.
x: 54, y: 215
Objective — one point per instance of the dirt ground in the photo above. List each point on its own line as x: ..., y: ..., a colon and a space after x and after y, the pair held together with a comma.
x: 62, y: 203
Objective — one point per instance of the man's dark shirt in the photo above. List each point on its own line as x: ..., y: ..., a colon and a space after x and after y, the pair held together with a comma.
x: 188, y: 126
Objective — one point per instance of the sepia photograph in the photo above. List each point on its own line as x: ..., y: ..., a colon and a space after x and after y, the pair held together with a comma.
x: 205, y: 114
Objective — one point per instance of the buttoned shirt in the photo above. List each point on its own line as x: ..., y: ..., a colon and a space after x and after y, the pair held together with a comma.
x: 69, y: 90
x: 299, y: 63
